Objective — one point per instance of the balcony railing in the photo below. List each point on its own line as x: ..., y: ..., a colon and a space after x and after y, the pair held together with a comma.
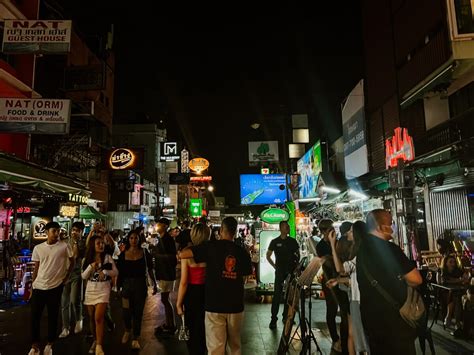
x: 454, y: 130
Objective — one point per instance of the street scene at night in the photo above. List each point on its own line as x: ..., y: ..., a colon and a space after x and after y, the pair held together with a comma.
x: 236, y: 180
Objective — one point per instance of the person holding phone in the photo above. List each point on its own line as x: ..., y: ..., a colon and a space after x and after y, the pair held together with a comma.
x: 98, y: 270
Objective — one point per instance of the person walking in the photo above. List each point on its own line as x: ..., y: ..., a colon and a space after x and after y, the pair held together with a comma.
x: 164, y: 253
x: 383, y: 262
x: 287, y: 256
x: 50, y: 274
x: 71, y: 299
x: 135, y: 265
x: 191, y: 294
x: 98, y: 270
x: 227, y: 265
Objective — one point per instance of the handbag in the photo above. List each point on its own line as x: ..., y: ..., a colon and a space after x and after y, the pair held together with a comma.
x: 183, y: 333
x: 411, y: 311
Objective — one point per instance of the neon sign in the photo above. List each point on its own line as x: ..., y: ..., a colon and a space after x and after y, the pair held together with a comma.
x: 400, y: 146
x: 198, y: 165
x: 121, y: 158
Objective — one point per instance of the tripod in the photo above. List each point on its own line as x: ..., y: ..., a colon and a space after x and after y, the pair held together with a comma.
x: 307, y: 335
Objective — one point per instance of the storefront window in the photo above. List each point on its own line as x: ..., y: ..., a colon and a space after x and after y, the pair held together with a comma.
x: 464, y: 16
x: 470, y: 201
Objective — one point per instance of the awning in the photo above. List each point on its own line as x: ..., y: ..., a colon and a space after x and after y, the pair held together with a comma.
x: 22, y: 173
x: 88, y: 212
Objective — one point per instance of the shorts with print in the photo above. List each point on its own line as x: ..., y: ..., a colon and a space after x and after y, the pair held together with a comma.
x: 166, y: 286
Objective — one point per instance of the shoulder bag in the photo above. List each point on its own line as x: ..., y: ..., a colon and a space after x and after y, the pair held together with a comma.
x: 411, y: 311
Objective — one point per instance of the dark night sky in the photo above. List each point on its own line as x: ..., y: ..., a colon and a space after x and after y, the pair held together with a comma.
x: 209, y: 75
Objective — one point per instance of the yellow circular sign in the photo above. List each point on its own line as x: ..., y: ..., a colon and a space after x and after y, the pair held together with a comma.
x: 121, y: 158
x: 198, y: 165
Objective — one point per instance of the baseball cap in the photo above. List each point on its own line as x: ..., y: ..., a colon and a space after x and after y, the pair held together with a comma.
x: 164, y: 221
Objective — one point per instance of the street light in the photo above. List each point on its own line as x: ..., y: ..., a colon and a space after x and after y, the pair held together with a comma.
x: 210, y: 188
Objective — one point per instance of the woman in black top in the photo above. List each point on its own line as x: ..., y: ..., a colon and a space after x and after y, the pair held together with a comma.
x: 133, y: 265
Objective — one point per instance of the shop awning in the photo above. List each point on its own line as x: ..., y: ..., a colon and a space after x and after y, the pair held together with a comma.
x: 19, y: 172
x: 88, y: 212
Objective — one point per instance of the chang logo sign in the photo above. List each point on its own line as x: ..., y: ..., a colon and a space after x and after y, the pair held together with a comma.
x: 121, y: 159
x: 274, y: 215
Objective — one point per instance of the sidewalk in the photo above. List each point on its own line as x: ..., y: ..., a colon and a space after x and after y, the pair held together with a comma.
x: 257, y: 338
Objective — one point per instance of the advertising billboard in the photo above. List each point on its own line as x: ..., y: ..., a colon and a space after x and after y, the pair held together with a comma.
x: 309, y: 167
x: 169, y: 151
x: 44, y: 116
x: 195, y: 207
x: 257, y: 189
x: 37, y: 36
x: 124, y: 159
x: 263, y: 151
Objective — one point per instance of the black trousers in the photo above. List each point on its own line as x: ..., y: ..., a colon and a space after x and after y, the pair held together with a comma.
x: 278, y: 295
x: 52, y: 300
x: 194, y: 315
x: 136, y: 295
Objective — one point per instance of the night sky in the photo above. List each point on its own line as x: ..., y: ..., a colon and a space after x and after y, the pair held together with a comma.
x: 209, y: 75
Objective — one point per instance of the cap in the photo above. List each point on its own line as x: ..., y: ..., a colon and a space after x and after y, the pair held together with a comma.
x: 164, y: 220
x: 52, y: 225
x: 345, y: 227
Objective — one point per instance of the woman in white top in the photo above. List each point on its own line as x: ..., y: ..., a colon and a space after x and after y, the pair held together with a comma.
x: 98, y: 270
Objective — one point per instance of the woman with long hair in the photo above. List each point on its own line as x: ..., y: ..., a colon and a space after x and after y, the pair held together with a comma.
x: 191, y: 294
x: 134, y: 263
x: 98, y: 269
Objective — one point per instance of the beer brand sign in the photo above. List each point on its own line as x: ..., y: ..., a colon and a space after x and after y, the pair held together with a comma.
x: 37, y: 36
x: 399, y: 147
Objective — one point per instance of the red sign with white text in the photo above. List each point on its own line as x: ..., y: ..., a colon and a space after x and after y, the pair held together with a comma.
x: 200, y: 178
x: 400, y: 146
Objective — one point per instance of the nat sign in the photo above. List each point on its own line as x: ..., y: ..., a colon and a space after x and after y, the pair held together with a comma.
x: 37, y: 36
x: 399, y: 147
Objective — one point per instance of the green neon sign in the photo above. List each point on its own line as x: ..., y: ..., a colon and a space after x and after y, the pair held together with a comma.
x: 195, y: 207
x: 274, y: 215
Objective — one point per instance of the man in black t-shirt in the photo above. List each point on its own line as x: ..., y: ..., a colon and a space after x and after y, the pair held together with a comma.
x: 287, y: 256
x: 164, y: 254
x: 387, y: 332
x: 227, y: 264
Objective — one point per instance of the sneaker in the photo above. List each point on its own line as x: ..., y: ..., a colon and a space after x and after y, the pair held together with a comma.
x: 64, y: 333
x: 126, y: 337
x: 273, y: 324
x: 34, y: 351
x: 92, y: 349
x: 135, y: 345
x: 48, y: 350
x: 78, y: 327
x: 99, y: 350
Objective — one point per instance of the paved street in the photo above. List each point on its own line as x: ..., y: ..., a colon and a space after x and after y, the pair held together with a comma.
x: 256, y: 337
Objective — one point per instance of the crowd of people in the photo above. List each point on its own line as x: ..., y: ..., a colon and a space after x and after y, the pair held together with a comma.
x: 79, y: 271
x: 363, y: 275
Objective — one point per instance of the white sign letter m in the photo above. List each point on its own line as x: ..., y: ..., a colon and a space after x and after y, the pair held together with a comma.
x: 171, y: 148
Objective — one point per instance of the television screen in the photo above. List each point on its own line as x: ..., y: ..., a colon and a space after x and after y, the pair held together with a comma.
x: 258, y: 189
x: 309, y: 167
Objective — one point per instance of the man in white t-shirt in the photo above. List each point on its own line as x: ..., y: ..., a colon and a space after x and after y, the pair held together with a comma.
x: 50, y: 273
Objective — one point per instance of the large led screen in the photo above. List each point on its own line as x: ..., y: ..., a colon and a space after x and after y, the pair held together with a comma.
x: 309, y: 167
x: 257, y: 189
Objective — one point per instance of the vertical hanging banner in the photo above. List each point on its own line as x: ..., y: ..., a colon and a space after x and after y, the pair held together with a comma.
x: 37, y: 36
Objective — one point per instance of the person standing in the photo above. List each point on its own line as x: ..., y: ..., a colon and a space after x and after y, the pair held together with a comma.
x: 387, y: 332
x: 165, y: 269
x: 323, y: 250
x: 287, y: 256
x: 133, y: 265
x: 227, y: 265
x: 98, y: 270
x: 71, y: 299
x: 50, y: 274
x: 191, y: 294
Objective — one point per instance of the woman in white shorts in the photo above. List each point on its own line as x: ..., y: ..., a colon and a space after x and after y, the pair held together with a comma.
x: 98, y: 269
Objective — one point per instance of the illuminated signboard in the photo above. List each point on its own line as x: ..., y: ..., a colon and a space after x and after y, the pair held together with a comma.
x: 184, y: 161
x: 198, y: 165
x: 125, y: 159
x: 23, y: 210
x: 400, y: 146
x: 264, y: 171
x: 195, y: 207
x: 169, y: 151
x: 200, y: 178
x: 78, y: 198
x: 38, y: 225
x: 69, y: 211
